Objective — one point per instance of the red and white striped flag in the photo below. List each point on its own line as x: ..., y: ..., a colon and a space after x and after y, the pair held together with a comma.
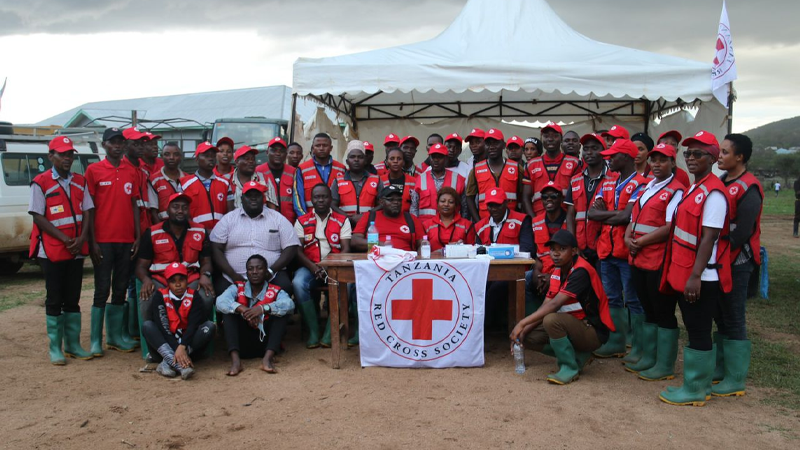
x: 724, y: 70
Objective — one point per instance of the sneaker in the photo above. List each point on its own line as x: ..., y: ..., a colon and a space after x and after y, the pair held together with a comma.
x: 165, y: 370
x: 186, y: 373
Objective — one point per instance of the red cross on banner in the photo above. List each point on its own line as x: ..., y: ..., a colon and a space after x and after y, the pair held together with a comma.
x: 422, y: 309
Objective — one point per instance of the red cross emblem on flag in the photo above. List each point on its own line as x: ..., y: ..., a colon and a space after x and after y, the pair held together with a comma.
x: 422, y: 310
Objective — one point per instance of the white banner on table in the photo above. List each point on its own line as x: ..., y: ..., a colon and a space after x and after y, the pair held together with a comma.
x: 424, y: 313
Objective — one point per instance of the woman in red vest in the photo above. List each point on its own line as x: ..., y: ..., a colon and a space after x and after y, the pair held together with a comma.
x: 697, y: 264
x: 646, y: 240
x: 448, y: 226
x: 179, y: 327
x: 395, y: 176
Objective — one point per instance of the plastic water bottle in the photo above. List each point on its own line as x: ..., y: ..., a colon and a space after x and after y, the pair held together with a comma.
x: 425, y: 248
x: 372, y: 236
x: 519, y: 359
x: 388, y: 242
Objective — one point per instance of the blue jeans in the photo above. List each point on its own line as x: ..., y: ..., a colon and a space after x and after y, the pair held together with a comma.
x: 304, y: 282
x: 616, y: 276
x: 731, y: 322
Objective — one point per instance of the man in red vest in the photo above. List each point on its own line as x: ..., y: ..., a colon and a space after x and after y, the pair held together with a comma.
x: 224, y: 168
x: 61, y: 206
x: 614, y: 133
x: 321, y: 168
x: 369, y: 155
x: 582, y: 194
x: 477, y: 146
x: 454, y: 143
x: 245, y: 160
x: 553, y: 166
x: 390, y: 141
x: 150, y: 160
x: 356, y: 193
x: 404, y: 230
x: 612, y: 206
x: 544, y: 226
x: 135, y: 145
x: 745, y: 195
x: 280, y: 177
x: 409, y: 146
x: 211, y: 195
x: 514, y: 149
x: 321, y: 231
x: 495, y: 172
x: 423, y: 204
x: 167, y: 180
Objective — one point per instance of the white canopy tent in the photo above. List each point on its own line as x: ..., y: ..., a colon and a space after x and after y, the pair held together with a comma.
x: 514, y: 60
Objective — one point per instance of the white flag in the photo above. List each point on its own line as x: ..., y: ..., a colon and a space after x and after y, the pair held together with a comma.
x: 2, y: 89
x: 424, y: 313
x: 724, y: 70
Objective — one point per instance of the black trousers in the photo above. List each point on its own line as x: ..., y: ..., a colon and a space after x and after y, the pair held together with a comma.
x: 63, y: 282
x: 112, y: 274
x: 699, y: 316
x: 245, y: 339
x: 658, y: 308
x: 156, y: 336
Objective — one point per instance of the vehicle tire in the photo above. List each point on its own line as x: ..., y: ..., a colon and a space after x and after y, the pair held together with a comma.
x: 8, y: 267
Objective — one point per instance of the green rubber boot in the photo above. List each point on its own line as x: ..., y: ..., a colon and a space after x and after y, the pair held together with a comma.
x: 309, y: 315
x: 582, y: 359
x: 698, y: 367
x: 637, y: 320
x: 125, y: 326
x: 96, y: 336
x: 326, y: 336
x: 55, y: 331
x: 132, y: 311
x: 615, y: 346
x: 353, y: 341
x: 648, y: 337
x: 666, y: 354
x: 114, y: 329
x: 567, y: 362
x: 719, y: 369
x: 629, y: 330
x: 547, y: 349
x: 72, y: 337
x: 737, y: 363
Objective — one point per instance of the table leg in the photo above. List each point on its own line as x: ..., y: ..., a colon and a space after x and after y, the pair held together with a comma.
x: 512, y: 305
x: 333, y: 313
x: 344, y: 313
x: 520, y: 297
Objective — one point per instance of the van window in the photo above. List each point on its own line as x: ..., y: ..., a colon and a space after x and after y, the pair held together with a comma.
x: 19, y: 169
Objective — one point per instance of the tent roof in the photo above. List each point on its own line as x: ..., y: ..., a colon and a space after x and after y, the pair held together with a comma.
x: 531, y: 56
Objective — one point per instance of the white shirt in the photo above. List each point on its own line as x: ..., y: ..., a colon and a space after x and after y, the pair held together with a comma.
x: 653, y: 187
x: 496, y: 227
x: 715, y: 211
x: 462, y: 169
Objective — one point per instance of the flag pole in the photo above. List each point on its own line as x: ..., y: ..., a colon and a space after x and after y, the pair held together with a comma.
x: 731, y: 99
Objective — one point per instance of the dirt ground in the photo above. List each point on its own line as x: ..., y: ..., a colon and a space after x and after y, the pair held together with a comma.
x: 107, y: 403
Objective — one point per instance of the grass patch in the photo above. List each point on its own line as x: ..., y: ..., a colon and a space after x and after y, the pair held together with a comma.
x: 774, y: 365
x: 12, y: 299
x: 782, y: 205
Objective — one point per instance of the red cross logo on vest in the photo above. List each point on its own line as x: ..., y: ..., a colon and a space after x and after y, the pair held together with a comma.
x: 220, y: 197
x: 289, y: 191
x: 422, y: 310
x: 699, y: 198
x: 569, y: 166
x: 374, y: 184
x: 734, y: 190
x: 629, y: 189
x: 405, y: 229
x: 511, y: 171
x: 664, y: 196
x: 197, y: 237
x: 335, y: 238
x: 128, y: 188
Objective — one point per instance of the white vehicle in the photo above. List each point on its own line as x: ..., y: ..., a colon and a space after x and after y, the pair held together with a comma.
x: 22, y: 158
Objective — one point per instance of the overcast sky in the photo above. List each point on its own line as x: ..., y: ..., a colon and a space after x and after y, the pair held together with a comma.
x: 58, y: 54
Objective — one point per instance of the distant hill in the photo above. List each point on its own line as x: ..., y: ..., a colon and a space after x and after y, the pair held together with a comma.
x: 782, y: 134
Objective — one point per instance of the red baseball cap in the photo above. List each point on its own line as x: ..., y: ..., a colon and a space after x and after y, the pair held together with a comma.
x: 624, y: 146
x: 61, y: 144
x: 438, y: 149
x: 673, y: 133
x: 250, y: 185
x: 204, y: 147
x: 178, y: 195
x: 593, y: 136
x: 225, y: 140
x: 391, y: 138
x: 477, y: 133
x: 664, y: 149
x: 369, y: 147
x: 151, y: 136
x: 702, y: 137
x: 410, y: 138
x: 453, y: 136
x: 132, y: 134
x: 175, y: 269
x: 553, y: 185
x: 495, y: 195
x: 515, y: 140
x: 496, y: 134
x: 553, y: 126
x: 277, y: 141
x: 617, y: 131
x: 243, y: 150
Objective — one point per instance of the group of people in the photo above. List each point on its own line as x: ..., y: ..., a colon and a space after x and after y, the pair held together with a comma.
x: 619, y: 233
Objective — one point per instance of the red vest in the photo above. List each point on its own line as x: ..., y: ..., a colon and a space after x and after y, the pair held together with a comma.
x: 685, y: 235
x: 426, y: 190
x: 64, y: 213
x: 269, y: 297
x: 612, y: 238
x: 735, y: 191
x: 178, y: 320
x: 460, y: 229
x: 541, y: 234
x: 381, y: 169
x: 285, y: 188
x: 508, y: 182
x: 165, y: 252
x: 586, y: 231
x: 573, y: 306
x: 351, y: 202
x: 539, y: 177
x: 164, y: 190
x: 208, y: 206
x: 410, y: 185
x: 649, y: 218
x: 509, y: 234
x: 227, y: 176
x: 312, y: 177
x: 682, y: 177
x: 333, y: 229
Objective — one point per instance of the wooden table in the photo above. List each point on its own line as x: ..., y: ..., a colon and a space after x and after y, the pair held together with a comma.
x: 340, y: 268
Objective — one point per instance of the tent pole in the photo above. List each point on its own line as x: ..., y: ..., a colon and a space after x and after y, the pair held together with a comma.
x: 730, y: 108
x: 294, y: 112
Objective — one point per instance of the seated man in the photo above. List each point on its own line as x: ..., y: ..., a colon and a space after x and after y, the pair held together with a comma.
x: 321, y: 231
x: 403, y: 230
x: 179, y: 327
x: 574, y: 318
x: 254, y: 317
x: 177, y: 239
